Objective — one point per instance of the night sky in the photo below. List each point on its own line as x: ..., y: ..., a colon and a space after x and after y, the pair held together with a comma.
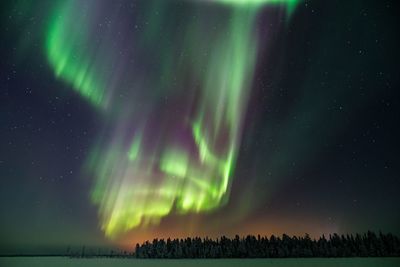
x: 123, y: 121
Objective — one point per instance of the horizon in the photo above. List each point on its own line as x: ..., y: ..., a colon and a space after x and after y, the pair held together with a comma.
x: 106, y: 250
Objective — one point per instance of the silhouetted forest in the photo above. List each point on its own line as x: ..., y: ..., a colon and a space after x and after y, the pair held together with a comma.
x: 365, y: 245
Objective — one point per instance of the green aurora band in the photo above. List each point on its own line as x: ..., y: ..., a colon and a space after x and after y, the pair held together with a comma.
x: 141, y: 177
x: 66, y: 56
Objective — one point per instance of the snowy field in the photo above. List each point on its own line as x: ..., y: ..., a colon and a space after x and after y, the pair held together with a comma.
x: 67, y: 262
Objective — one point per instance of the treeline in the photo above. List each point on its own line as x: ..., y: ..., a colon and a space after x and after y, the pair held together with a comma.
x: 365, y: 245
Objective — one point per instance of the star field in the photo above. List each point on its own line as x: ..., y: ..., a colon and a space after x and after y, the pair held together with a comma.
x: 141, y: 119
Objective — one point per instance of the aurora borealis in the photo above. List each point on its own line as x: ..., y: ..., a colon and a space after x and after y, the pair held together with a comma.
x: 137, y: 119
x: 142, y: 177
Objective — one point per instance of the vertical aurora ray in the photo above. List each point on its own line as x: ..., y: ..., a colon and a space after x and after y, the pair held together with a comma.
x: 174, y: 113
x: 65, y: 56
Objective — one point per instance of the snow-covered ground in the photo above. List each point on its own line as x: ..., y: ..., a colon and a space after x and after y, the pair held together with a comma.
x: 100, y: 262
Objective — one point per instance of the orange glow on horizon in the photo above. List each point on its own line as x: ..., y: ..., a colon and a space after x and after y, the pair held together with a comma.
x: 290, y: 226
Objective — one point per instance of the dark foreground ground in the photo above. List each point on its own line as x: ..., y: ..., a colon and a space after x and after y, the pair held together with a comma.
x: 100, y: 262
